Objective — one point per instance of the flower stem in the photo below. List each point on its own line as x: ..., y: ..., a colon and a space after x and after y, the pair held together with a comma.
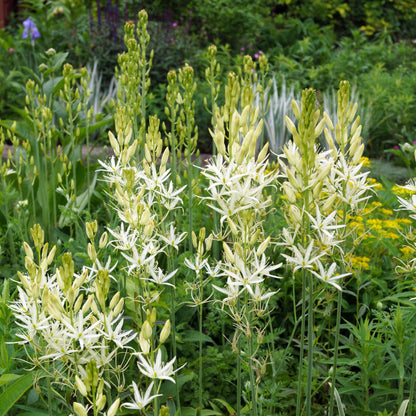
x: 302, y: 342
x: 310, y: 348
x: 412, y: 380
x: 336, y: 347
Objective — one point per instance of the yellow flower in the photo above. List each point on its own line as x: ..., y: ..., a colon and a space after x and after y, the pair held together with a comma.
x: 400, y: 191
x: 366, y: 162
x: 407, y: 251
x: 376, y: 185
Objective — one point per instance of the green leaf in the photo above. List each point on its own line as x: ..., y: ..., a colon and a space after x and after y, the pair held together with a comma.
x: 230, y: 410
x: 191, y: 335
x: 13, y: 393
x: 7, y: 378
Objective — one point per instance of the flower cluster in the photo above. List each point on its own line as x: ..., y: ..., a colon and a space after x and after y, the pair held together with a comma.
x: 70, y: 326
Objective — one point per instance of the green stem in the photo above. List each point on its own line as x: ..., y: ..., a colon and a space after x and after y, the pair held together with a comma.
x: 251, y: 373
x: 302, y: 343
x: 336, y: 348
x: 200, y: 379
x: 310, y: 348
x: 190, y: 200
x: 412, y: 380
x: 239, y: 390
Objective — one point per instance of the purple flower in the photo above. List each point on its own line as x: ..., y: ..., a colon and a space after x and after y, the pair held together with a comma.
x: 256, y: 55
x: 11, y: 50
x: 242, y: 49
x: 30, y: 30
x: 260, y: 52
x: 414, y: 142
x: 174, y: 24
x: 396, y: 147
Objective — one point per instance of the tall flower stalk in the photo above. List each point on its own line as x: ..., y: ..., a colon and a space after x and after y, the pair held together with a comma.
x: 133, y: 77
x: 348, y: 183
x: 237, y: 180
x: 311, y: 221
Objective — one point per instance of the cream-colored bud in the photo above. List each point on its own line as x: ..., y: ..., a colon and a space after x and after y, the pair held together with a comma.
x: 146, y: 330
x: 319, y: 128
x: 239, y: 250
x: 113, y: 408
x: 165, y: 157
x: 147, y: 154
x: 358, y: 154
x: 70, y: 296
x: 194, y: 240
x: 119, y: 307
x: 51, y: 256
x: 289, y: 192
x: 262, y: 247
x: 235, y: 124
x: 94, y: 307
x: 152, y: 316
x: 208, y: 242
x: 101, y: 402
x: 103, y: 240
x: 329, y: 202
x: 290, y: 126
x: 228, y: 252
x: 164, y: 335
x: 114, y: 144
x: 263, y: 153
x: 79, y: 384
x: 296, y: 110
x: 232, y: 226
x: 144, y: 344
x: 99, y: 293
x: 218, y: 138
x: 87, y: 305
x: 114, y: 300
x: 324, y: 171
x: 79, y: 409
x: 78, y: 303
x: 328, y: 121
x: 317, y: 189
x: 295, y: 214
x: 24, y: 280
x: 292, y: 179
x: 28, y: 250
x: 92, y: 254
x: 255, y: 237
x: 89, y: 230
x: 352, y: 109
x: 145, y: 217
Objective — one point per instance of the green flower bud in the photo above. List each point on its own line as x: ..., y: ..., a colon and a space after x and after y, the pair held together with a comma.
x: 164, y: 335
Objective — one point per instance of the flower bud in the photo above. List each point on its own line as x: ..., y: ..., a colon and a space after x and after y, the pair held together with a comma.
x: 28, y: 250
x: 146, y: 330
x: 144, y: 344
x: 78, y: 303
x: 92, y: 254
x: 79, y: 384
x: 113, y: 408
x: 114, y: 300
x: 165, y: 332
x: 79, y: 409
x: 119, y: 306
x: 228, y: 253
x: 262, y: 247
x: 101, y: 402
x: 103, y: 240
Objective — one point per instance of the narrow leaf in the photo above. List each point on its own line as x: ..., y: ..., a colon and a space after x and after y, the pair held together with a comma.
x: 13, y: 393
